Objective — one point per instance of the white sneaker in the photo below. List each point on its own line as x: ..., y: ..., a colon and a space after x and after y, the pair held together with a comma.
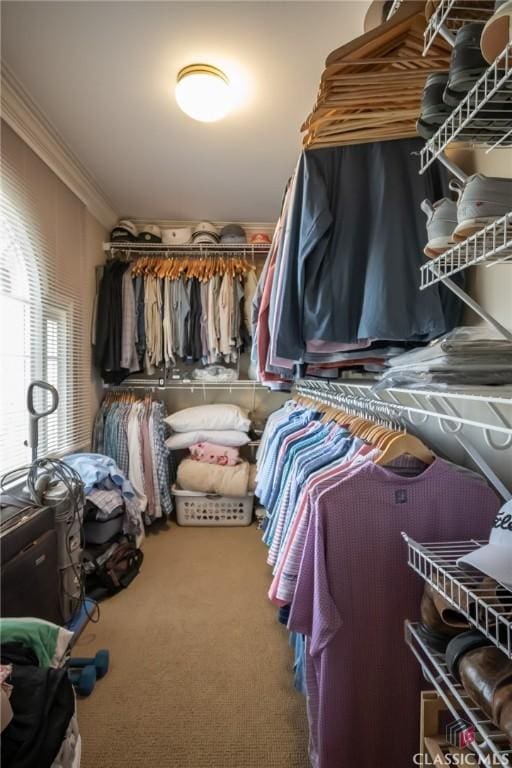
x: 441, y: 221
x: 483, y: 200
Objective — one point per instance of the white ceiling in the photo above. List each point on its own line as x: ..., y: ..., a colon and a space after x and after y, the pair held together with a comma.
x: 104, y: 73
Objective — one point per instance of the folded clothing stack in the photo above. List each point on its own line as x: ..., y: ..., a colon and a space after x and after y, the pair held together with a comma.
x: 213, y: 434
x: 463, y: 356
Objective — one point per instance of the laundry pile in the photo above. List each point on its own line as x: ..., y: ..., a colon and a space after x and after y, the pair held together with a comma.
x: 131, y: 431
x: 112, y: 525
x: 112, y: 503
x: 340, y: 287
x: 465, y: 356
x: 154, y: 312
x: 38, y: 720
x: 213, y: 435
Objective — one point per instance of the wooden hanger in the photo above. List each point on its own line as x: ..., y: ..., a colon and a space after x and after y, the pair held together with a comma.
x: 371, y: 88
x: 404, y: 443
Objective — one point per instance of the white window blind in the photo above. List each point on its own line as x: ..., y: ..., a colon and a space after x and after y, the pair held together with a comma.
x: 43, y: 330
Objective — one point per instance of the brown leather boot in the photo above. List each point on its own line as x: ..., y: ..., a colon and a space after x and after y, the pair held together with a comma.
x: 486, y: 674
x: 439, y: 616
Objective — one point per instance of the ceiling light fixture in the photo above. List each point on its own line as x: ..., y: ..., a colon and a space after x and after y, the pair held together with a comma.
x: 203, y: 92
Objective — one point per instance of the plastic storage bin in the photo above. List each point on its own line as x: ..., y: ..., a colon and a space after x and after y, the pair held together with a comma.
x: 210, y: 509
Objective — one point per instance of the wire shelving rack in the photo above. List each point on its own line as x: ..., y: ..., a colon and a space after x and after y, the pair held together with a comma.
x: 449, y: 15
x: 483, y: 117
x: 490, y: 745
x: 417, y: 404
x: 188, y: 249
x: 487, y: 607
x: 491, y: 245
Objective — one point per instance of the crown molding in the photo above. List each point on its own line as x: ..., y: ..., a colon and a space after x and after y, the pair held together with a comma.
x: 25, y: 118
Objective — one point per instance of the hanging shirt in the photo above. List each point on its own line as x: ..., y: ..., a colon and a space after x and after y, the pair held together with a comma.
x: 287, y: 567
x: 354, y: 592
x: 136, y: 473
x: 153, y: 322
x: 305, y: 462
x: 181, y: 309
x: 204, y: 322
x: 293, y: 420
x: 140, y: 341
x: 129, y: 358
x: 168, y: 325
x: 250, y: 284
x: 225, y: 305
x: 353, y: 249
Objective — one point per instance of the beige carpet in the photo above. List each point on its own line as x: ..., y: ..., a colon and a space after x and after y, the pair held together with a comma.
x: 201, y: 672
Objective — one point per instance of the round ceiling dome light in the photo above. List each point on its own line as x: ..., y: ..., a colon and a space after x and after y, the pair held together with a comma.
x: 203, y: 92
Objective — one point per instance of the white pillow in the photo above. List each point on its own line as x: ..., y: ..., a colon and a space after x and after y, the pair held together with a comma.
x: 227, y: 437
x: 209, y: 417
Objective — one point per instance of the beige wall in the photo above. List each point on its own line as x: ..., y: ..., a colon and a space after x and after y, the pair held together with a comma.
x: 260, y: 403
x: 492, y: 286
x: 67, y: 229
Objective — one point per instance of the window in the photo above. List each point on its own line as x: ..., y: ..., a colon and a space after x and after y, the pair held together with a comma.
x: 43, y: 330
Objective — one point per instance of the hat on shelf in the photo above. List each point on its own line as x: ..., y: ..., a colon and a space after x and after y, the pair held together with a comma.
x: 232, y: 233
x: 206, y: 238
x: 260, y: 237
x: 495, y: 558
x: 150, y: 233
x: 178, y: 236
x: 205, y: 232
x: 124, y: 232
x: 498, y: 31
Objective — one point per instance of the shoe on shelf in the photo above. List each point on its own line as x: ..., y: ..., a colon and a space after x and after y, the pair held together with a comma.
x: 441, y: 221
x: 433, y: 109
x: 497, y: 32
x: 486, y: 675
x: 439, y: 620
x: 460, y: 645
x: 467, y: 64
x: 483, y: 200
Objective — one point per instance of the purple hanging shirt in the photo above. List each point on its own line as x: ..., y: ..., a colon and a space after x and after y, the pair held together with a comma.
x: 354, y: 592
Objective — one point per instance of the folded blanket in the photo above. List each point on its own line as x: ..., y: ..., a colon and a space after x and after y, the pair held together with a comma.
x: 212, y: 478
x: 209, y: 453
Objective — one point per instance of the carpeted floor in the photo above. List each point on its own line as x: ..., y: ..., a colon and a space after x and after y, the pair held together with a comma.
x: 200, y: 670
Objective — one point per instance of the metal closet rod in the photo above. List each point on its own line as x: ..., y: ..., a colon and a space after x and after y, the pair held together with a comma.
x: 433, y: 408
x: 359, y: 405
x: 151, y: 386
x: 444, y: 419
x: 190, y: 249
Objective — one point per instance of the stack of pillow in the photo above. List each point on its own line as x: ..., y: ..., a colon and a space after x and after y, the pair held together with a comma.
x: 213, y: 435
